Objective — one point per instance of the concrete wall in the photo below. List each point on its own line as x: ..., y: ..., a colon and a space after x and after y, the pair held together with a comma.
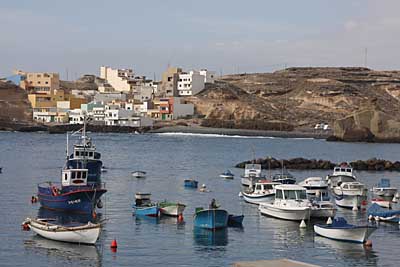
x: 182, y: 110
x: 190, y: 83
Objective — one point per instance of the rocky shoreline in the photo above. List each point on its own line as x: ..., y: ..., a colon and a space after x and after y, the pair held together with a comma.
x: 314, y: 164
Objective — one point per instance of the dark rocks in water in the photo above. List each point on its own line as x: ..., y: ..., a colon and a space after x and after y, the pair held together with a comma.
x: 314, y: 164
x: 57, y: 129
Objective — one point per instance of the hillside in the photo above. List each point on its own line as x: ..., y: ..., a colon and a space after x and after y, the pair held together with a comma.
x: 299, y: 97
x: 14, y: 104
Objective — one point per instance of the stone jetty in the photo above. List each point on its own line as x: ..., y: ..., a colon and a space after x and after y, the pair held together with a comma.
x: 318, y: 164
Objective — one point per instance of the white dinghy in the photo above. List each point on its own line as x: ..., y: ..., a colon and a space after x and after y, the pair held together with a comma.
x: 83, y: 234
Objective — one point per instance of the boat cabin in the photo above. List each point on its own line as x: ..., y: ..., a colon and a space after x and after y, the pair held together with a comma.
x: 352, y: 186
x: 83, y: 152
x: 142, y: 199
x: 74, y: 177
x: 290, y: 192
x: 252, y: 170
x: 262, y: 186
x: 343, y: 169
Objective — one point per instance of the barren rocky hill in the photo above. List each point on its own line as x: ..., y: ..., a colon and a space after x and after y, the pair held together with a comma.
x: 14, y: 104
x: 300, y: 97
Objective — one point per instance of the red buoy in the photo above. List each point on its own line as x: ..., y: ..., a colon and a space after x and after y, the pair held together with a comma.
x: 114, y: 245
x: 364, y: 203
x: 94, y: 215
x: 180, y: 218
x: 26, y: 227
x: 368, y: 243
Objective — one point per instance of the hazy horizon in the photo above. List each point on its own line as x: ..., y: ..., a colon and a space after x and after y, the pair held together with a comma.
x: 224, y: 36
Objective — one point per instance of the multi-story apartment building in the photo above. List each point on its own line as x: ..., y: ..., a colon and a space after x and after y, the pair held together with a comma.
x: 209, y: 76
x: 119, y: 79
x: 190, y: 83
x: 169, y: 82
x: 40, y: 82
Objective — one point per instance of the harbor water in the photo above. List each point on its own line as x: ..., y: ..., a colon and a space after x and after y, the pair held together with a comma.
x: 168, y: 159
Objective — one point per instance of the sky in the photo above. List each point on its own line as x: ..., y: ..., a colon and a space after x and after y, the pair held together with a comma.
x: 78, y: 36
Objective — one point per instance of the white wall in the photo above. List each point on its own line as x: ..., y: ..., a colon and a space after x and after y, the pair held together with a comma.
x: 182, y: 110
x: 190, y: 83
x: 209, y: 76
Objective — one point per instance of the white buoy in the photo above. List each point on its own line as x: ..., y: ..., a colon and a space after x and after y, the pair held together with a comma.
x: 329, y: 221
x: 303, y: 224
x: 370, y: 217
x: 377, y: 218
x: 355, y: 208
x: 240, y: 194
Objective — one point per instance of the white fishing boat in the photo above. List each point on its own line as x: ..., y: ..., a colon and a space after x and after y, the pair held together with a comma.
x: 350, y: 194
x: 341, y: 230
x: 252, y: 173
x: 290, y: 203
x: 262, y: 191
x: 171, y: 208
x: 383, y: 189
x: 342, y: 173
x: 321, y: 205
x: 314, y: 184
x: 139, y: 174
x: 82, y: 234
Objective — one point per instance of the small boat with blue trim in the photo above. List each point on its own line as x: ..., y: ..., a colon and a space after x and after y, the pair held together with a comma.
x: 377, y: 213
x: 144, y: 207
x: 81, y: 187
x: 211, y: 218
x: 350, y: 194
x: 139, y: 174
x: 191, y: 183
x: 227, y: 175
x: 342, y: 231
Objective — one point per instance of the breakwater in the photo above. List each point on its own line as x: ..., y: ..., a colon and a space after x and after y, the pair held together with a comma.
x: 372, y: 164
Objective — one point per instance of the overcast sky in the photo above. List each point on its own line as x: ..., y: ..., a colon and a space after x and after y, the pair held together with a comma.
x: 225, y: 36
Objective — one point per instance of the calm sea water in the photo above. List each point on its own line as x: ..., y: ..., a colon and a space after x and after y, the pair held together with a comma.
x: 29, y: 158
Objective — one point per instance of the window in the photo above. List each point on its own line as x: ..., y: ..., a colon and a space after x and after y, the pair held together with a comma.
x: 78, y: 175
x: 84, y: 175
x: 258, y: 187
x: 290, y: 194
x: 65, y: 176
x: 90, y: 154
x: 278, y: 194
x: 169, y: 79
x: 38, y: 82
x: 301, y: 194
x: 73, y: 175
x: 76, y: 152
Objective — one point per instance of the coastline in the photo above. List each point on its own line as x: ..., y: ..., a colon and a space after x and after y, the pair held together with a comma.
x: 239, y: 132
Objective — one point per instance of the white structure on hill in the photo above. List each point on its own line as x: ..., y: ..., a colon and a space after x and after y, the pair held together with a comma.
x: 119, y: 79
x: 209, y: 76
x: 190, y: 83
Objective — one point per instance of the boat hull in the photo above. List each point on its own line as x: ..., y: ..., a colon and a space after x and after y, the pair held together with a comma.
x: 323, y: 212
x: 87, y: 235
x: 293, y: 214
x: 357, y: 234
x: 349, y: 201
x: 235, y: 220
x: 152, y: 211
x: 173, y: 209
x: 211, y: 219
x: 82, y: 200
x: 257, y: 199
x: 226, y: 176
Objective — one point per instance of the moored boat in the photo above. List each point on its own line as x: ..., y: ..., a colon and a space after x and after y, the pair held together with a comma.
x: 144, y: 207
x: 139, y: 174
x: 350, y: 194
x: 342, y: 173
x: 284, y: 177
x: 191, y: 183
x: 252, y: 173
x: 82, y: 234
x: 210, y: 218
x: 227, y: 175
x: 290, y: 203
x: 262, y: 191
x: 171, y: 208
x: 81, y: 187
x: 314, y: 184
x: 378, y: 213
x: 382, y: 202
x: 235, y: 220
x: 383, y: 189
x: 342, y: 231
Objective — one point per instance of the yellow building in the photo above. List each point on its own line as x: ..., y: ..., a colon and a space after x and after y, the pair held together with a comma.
x: 40, y: 82
x: 44, y: 100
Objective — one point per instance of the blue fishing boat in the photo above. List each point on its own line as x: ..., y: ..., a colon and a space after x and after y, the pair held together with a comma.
x: 144, y: 207
x: 235, y: 220
x: 211, y: 218
x: 375, y: 212
x: 191, y: 183
x: 81, y: 187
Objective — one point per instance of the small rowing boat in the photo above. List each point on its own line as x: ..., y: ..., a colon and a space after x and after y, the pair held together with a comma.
x: 82, y: 234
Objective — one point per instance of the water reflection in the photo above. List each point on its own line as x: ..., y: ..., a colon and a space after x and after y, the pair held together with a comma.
x: 348, y: 250
x: 205, y: 237
x: 86, y: 255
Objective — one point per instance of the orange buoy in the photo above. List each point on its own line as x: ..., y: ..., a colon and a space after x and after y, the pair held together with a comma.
x: 26, y: 227
x: 368, y: 243
x: 94, y: 215
x: 114, y: 244
x: 180, y: 218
